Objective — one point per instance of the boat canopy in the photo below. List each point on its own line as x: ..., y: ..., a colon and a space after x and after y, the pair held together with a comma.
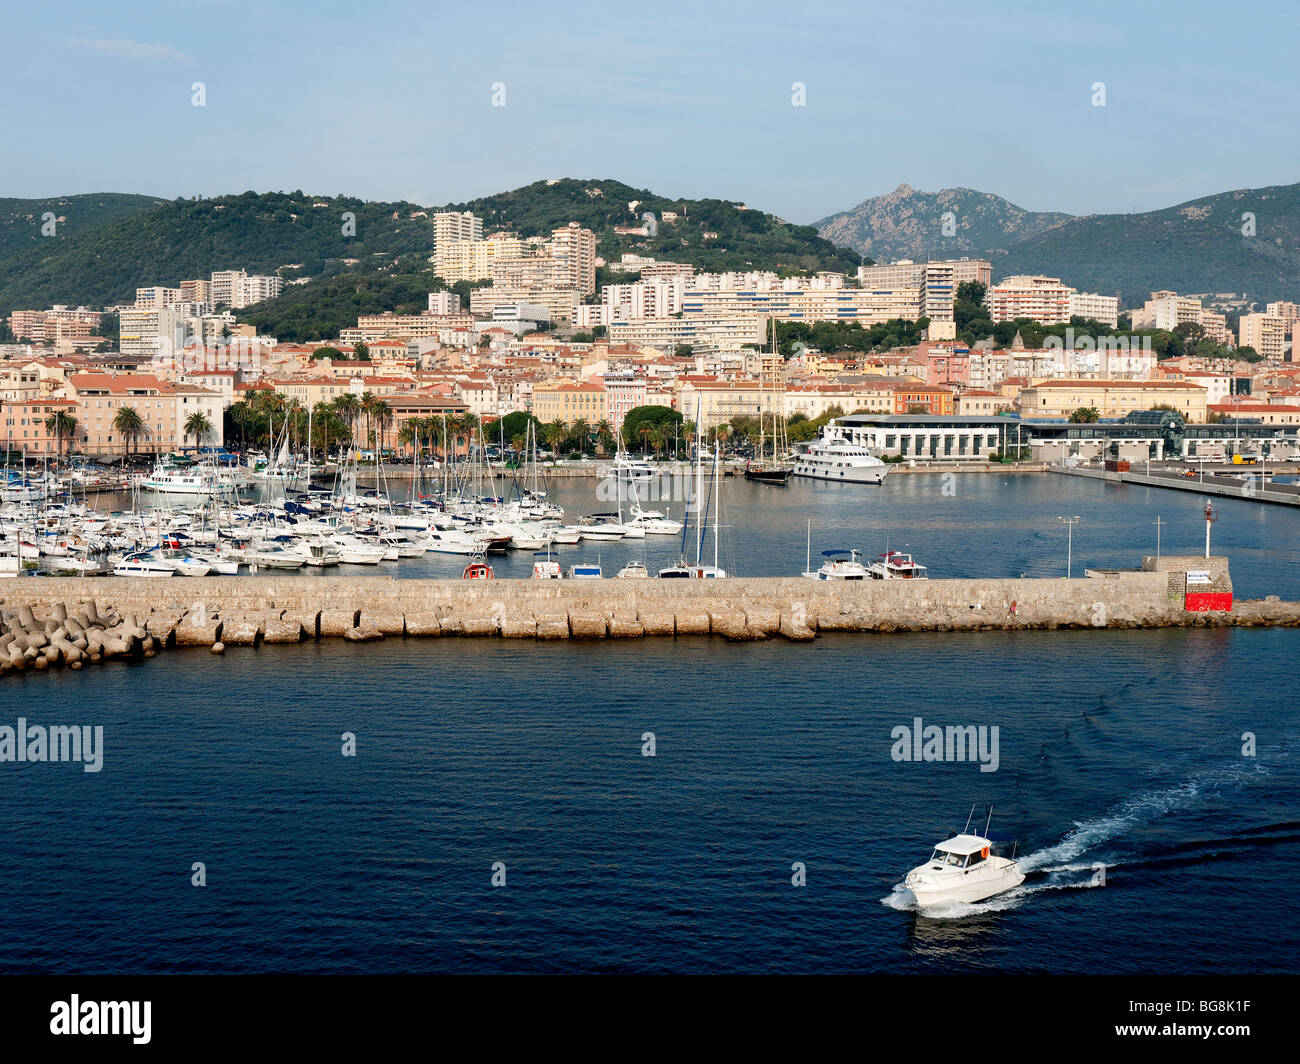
x: 832, y: 553
x: 963, y: 845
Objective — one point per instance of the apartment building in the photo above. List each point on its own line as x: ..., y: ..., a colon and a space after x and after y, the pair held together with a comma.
x: 163, y: 408
x: 452, y: 226
x: 699, y: 332
x: 197, y: 291
x: 561, y: 303
x: 472, y: 260
x: 150, y: 332
x: 569, y: 401
x: 60, y: 322
x: 23, y: 423
x: 444, y: 303
x: 156, y: 297
x: 1042, y: 299
x: 573, y: 253
x: 906, y: 274
x: 1111, y: 398
x: 1104, y: 309
x: 623, y: 392
x: 238, y: 289
x: 1265, y: 333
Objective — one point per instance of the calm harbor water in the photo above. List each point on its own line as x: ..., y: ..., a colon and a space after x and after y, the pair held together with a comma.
x: 971, y: 525
x: 1116, y: 749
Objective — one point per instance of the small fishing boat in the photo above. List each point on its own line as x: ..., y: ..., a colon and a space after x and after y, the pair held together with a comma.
x: 580, y: 571
x: 478, y: 570
x: 963, y: 869
x: 545, y: 567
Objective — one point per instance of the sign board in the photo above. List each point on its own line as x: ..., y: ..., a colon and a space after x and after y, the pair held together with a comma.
x: 1198, y: 576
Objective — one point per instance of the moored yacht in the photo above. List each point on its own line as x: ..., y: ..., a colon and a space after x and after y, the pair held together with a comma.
x: 838, y: 567
x: 894, y: 565
x: 833, y: 458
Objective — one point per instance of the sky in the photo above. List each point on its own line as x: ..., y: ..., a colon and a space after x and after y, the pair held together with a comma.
x: 395, y: 101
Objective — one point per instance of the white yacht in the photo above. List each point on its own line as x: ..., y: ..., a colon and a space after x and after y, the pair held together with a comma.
x: 838, y: 567
x: 633, y: 570
x: 833, y: 458
x: 894, y: 565
x: 962, y: 869
x: 628, y: 470
x: 143, y: 563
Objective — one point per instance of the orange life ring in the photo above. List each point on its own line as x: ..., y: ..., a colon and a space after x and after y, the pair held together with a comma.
x: 984, y: 853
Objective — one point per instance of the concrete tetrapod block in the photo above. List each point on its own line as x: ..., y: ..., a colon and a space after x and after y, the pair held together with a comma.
x: 335, y: 623
x: 423, y: 624
x: 588, y: 624
x: 390, y: 622
x: 552, y: 626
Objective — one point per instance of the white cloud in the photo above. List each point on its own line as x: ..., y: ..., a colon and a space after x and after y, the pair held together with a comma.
x: 133, y: 49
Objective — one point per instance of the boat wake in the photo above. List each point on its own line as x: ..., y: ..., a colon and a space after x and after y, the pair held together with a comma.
x: 1059, y: 866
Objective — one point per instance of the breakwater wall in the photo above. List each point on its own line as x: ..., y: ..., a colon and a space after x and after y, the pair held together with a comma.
x: 239, y: 611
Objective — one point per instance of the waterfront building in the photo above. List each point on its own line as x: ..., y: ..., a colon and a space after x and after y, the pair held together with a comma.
x: 930, y: 437
x: 23, y: 425
x: 1111, y: 398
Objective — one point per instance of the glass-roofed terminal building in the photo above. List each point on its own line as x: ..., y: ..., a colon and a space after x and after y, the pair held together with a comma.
x: 1154, y: 434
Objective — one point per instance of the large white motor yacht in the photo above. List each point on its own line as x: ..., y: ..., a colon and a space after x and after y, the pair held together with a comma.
x: 834, y: 458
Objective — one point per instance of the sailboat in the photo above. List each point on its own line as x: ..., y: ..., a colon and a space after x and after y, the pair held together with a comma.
x: 763, y: 470
x: 698, y: 571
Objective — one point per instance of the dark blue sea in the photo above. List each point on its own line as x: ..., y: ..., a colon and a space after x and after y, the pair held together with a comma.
x: 1154, y: 840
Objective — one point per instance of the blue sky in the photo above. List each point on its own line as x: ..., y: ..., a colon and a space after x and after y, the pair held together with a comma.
x: 394, y: 100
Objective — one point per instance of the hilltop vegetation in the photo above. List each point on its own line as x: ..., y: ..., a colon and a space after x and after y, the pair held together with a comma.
x: 298, y: 235
x: 745, y: 239
x: 21, y: 220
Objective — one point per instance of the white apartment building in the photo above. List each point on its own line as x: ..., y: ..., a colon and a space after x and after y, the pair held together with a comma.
x: 700, y: 332
x: 444, y: 303
x: 1168, y: 310
x: 642, y: 299
x: 573, y: 252
x: 151, y: 331
x: 1104, y: 309
x: 237, y: 289
x: 905, y: 273
x: 1042, y: 299
x: 1285, y: 310
x: 471, y: 260
x: 451, y: 226
x: 156, y: 296
x: 561, y: 303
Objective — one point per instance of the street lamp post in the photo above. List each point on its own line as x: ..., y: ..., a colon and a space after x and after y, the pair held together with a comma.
x: 1069, y: 523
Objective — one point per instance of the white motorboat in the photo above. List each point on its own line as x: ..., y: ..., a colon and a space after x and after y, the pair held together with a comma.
x: 144, y: 563
x: 454, y: 541
x: 653, y: 522
x: 634, y: 571
x: 962, y: 869
x: 838, y: 567
x: 628, y: 470
x: 833, y: 458
x: 188, y: 565
x: 546, y: 568
x: 580, y: 571
x: 894, y: 565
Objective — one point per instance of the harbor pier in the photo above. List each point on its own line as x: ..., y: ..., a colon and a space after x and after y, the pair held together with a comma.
x: 250, y: 610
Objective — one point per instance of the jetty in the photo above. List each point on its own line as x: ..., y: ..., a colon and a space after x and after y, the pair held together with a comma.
x: 245, y: 611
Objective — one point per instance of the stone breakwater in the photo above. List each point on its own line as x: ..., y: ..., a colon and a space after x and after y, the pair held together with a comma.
x: 225, y: 612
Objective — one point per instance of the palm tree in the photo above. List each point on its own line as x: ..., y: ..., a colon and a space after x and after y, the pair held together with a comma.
x: 605, y: 434
x: 61, y: 423
x: 198, y: 426
x: 382, y: 415
x: 348, y: 407
x: 581, y: 433
x: 320, y: 417
x: 555, y: 433
x: 241, y: 413
x: 131, y: 426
